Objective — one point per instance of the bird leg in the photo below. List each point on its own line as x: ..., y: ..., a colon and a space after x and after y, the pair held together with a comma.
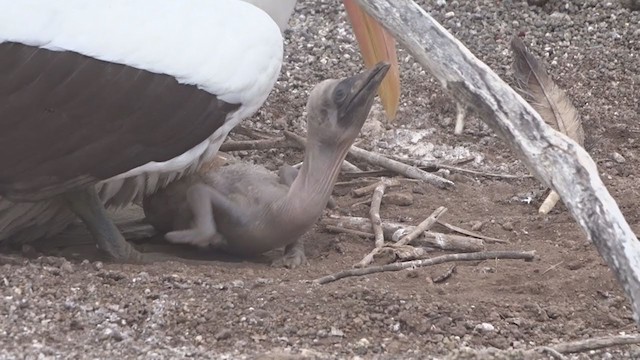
x: 293, y: 256
x: 201, y: 199
x: 88, y: 207
x: 86, y: 204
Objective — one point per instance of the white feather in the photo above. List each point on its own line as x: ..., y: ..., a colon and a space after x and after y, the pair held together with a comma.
x: 226, y: 47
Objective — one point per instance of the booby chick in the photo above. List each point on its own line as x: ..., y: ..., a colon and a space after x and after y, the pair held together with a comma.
x: 248, y: 210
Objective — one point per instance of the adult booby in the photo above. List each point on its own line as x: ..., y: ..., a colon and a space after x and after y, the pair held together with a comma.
x: 108, y: 100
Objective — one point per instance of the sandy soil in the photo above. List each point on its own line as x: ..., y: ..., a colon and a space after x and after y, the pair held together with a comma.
x: 52, y: 307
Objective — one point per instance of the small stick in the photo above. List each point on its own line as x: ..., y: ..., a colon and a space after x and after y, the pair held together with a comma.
x: 551, y: 352
x: 262, y: 144
x: 552, y: 267
x: 374, y: 213
x: 461, y: 114
x: 349, y: 167
x: 432, y: 167
x: 367, y: 189
x: 346, y: 166
x: 524, y: 255
x: 549, y: 203
x: 425, y: 225
x: 354, y: 182
x: 400, y: 168
x: 339, y: 229
x: 250, y: 133
x: 358, y: 203
x: 452, y: 242
x: 407, y: 252
x: 596, y: 343
x: 444, y: 277
x: 472, y: 233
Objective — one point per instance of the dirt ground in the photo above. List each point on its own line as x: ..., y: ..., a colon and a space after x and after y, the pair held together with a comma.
x: 54, y: 308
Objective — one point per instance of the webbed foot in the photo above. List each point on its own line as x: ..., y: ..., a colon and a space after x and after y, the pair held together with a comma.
x: 293, y: 257
x: 198, y: 237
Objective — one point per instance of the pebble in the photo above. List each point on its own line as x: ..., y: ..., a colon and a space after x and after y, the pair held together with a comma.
x: 476, y: 225
x: 508, y: 226
x: 618, y: 158
x: 484, y: 328
x: 222, y: 334
x: 336, y: 332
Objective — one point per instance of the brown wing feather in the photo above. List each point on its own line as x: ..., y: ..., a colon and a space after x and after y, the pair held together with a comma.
x: 67, y: 120
x: 537, y: 87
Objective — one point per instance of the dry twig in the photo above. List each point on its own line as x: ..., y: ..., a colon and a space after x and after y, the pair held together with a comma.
x: 425, y: 225
x: 472, y: 233
x: 374, y: 213
x: 596, y: 343
x: 523, y: 255
x: 444, y: 277
x: 369, y: 188
x: 400, y: 168
x: 552, y: 267
x: 339, y: 229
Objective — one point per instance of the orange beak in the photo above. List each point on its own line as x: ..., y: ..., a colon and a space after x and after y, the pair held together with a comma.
x: 376, y: 45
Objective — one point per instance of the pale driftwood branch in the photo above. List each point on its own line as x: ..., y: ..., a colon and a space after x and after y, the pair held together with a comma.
x: 402, y: 169
x: 369, y: 188
x: 472, y: 233
x: 556, y: 160
x: 394, y: 231
x: 489, y: 255
x: 425, y: 225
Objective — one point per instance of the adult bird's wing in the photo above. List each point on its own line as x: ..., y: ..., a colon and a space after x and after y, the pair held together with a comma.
x: 67, y: 119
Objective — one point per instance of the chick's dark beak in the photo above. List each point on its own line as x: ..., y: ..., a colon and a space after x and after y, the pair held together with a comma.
x: 362, y: 90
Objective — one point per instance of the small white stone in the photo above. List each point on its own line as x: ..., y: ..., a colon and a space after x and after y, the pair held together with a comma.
x: 336, y: 332
x: 618, y: 158
x: 449, y: 15
x: 485, y: 327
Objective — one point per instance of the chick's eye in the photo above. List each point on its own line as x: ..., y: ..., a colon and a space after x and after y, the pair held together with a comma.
x: 339, y: 95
